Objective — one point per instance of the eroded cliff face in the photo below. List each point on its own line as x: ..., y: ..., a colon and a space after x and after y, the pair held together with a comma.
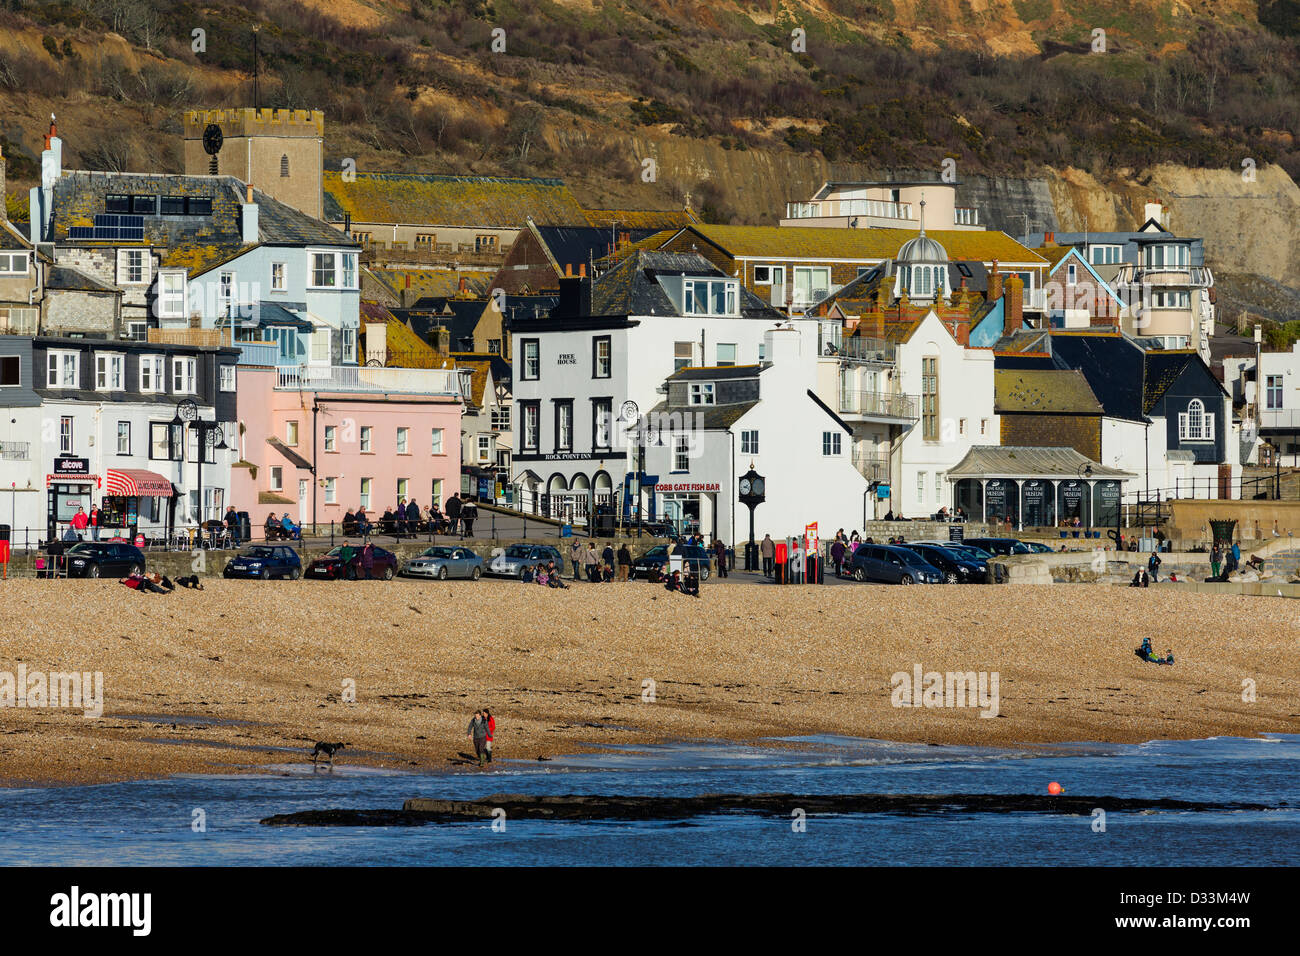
x: 1250, y: 224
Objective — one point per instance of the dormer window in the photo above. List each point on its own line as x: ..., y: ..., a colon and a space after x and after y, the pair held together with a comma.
x: 701, y: 393
x: 1170, y: 256
x: 709, y: 297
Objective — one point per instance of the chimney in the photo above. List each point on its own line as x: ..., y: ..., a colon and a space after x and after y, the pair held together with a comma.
x: 460, y: 285
x: 248, y: 217
x: 1049, y: 239
x: 440, y: 339
x: 575, y: 294
x: 40, y: 198
x: 995, y: 282
x: 1013, y: 304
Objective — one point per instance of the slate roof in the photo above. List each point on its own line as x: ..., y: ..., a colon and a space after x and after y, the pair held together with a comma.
x: 1113, y: 365
x: 191, y: 241
x: 630, y: 288
x: 480, y: 365
x: 1045, y: 392
x: 1019, y: 461
x: 714, y: 373
x: 574, y: 245
x: 640, y: 220
x: 866, y: 245
x: 466, y: 201
x: 70, y: 278
x: 264, y: 313
x: 712, y: 416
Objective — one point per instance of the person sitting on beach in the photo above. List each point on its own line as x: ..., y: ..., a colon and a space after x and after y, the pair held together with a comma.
x: 691, y: 584
x: 542, y: 577
x: 526, y: 575
x: 654, y: 575
x: 553, y: 576
x: 142, y: 584
x: 1137, y: 580
x: 674, y: 582
x: 607, y: 575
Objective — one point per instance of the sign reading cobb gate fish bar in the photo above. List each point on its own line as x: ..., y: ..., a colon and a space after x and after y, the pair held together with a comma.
x: 687, y: 487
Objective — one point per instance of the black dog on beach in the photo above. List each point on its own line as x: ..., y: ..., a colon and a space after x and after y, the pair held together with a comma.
x: 327, y: 749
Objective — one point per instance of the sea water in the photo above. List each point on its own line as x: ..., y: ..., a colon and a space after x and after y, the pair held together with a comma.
x: 214, y: 819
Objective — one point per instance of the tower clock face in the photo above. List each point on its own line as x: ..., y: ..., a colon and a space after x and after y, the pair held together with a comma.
x: 744, y: 486
x: 212, y: 139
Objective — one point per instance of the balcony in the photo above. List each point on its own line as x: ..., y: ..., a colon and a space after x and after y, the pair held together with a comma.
x: 891, y: 406
x: 1280, y: 419
x: 1034, y: 300
x: 855, y: 349
x: 1193, y: 277
x: 965, y: 216
x: 874, y: 466
x: 258, y: 353
x: 362, y: 378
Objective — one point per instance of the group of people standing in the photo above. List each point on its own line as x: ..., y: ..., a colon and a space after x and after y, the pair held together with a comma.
x: 482, y: 727
x: 1225, y: 557
x: 357, y: 564
x: 407, y: 517
x: 603, y: 568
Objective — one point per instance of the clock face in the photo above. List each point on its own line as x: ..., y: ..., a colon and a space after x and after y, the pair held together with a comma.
x: 759, y: 484
x: 744, y: 486
x: 212, y: 139
x: 214, y: 436
x: 630, y: 411
x: 188, y: 411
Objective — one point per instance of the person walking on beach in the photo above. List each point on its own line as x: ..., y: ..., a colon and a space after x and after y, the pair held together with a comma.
x: 1153, y: 565
x: 768, y: 549
x: 477, y: 732
x: 576, y: 552
x: 453, y: 513
x: 624, y: 562
x: 491, y: 730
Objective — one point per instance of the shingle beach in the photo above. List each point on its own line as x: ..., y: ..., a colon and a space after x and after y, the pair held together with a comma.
x: 266, y: 669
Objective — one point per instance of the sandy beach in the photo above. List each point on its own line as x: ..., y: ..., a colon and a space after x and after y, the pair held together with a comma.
x: 253, y: 673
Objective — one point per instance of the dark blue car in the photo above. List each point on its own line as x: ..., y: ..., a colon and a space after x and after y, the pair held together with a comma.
x: 957, y: 567
x: 265, y: 561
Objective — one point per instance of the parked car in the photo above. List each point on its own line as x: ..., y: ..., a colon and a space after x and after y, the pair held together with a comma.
x: 692, y: 555
x: 963, y: 547
x: 957, y: 568
x: 330, y: 565
x: 511, y: 562
x: 1038, y: 548
x: 265, y: 561
x: 892, y: 564
x: 97, y: 559
x: 445, y: 561
x: 1000, y: 546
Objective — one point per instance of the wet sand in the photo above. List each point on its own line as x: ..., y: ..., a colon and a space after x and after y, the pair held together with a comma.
x: 253, y: 673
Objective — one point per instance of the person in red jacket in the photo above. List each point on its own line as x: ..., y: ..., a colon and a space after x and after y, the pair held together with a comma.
x: 492, y: 726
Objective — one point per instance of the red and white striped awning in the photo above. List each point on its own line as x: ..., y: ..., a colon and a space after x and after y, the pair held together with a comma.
x: 136, y: 482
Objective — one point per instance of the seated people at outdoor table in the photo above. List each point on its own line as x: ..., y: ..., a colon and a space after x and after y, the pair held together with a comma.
x: 273, y: 529
x: 387, y: 523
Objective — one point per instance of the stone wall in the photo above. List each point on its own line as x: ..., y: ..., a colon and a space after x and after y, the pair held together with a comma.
x: 1190, y: 521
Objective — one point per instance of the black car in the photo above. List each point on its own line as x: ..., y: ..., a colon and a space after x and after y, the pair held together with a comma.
x: 692, y: 555
x: 265, y: 561
x: 957, y: 568
x: 1000, y: 546
x: 97, y: 559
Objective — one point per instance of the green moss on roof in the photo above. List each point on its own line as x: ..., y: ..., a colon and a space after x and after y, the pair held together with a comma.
x: 457, y: 201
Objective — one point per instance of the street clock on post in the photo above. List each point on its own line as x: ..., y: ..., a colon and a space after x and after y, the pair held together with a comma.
x: 753, y: 492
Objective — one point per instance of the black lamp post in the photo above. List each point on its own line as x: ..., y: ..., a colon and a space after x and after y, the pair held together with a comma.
x: 187, y: 413
x: 753, y: 488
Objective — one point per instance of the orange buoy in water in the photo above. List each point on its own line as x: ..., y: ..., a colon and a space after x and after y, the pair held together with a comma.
x: 1054, y: 788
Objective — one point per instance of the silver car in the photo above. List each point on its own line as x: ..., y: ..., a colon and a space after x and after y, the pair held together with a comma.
x: 443, y: 562
x: 511, y: 562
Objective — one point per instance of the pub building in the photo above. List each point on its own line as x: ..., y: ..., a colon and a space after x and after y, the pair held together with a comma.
x: 1024, y: 487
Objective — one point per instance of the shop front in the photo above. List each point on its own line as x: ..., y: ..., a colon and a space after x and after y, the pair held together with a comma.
x: 1018, y: 487
x: 135, y: 498
x: 69, y: 487
x: 692, y: 507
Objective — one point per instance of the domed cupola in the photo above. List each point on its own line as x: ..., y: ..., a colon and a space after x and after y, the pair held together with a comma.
x: 921, y: 267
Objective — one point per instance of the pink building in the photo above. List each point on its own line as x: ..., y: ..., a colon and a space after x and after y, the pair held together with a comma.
x: 375, y: 435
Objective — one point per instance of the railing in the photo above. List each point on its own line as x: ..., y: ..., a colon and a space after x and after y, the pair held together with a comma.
x: 877, y: 404
x: 15, y: 450
x: 873, y: 466
x: 19, y: 321
x: 258, y: 353
x: 359, y: 378
x: 1198, y: 277
x: 1034, y: 300
x: 856, y: 348
x: 1280, y: 419
x: 829, y: 208
x: 205, y: 338
x: 965, y: 216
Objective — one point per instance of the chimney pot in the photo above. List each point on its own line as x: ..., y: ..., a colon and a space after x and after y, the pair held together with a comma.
x: 248, y: 193
x: 1049, y: 239
x: 582, y: 270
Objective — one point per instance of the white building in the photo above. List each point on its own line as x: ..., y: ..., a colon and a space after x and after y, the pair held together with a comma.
x: 1271, y: 404
x: 717, y: 423
x: 586, y: 373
